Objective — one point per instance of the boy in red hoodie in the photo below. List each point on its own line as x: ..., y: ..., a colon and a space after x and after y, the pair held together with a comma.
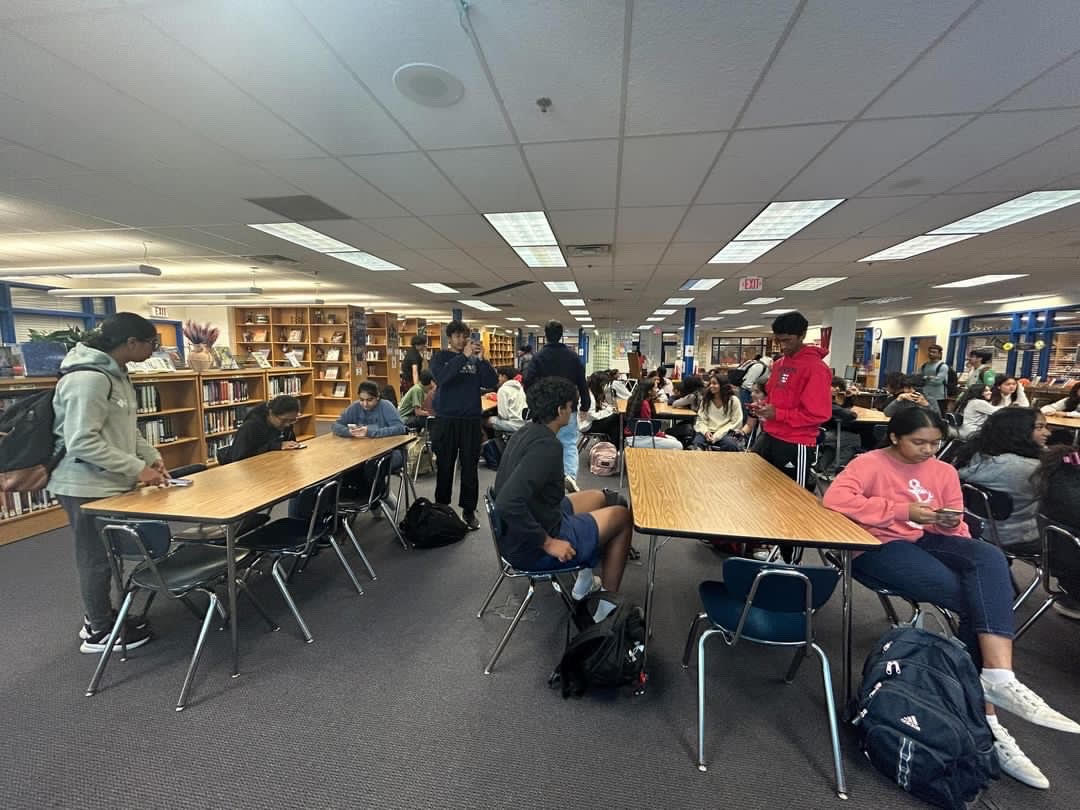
x: 798, y: 400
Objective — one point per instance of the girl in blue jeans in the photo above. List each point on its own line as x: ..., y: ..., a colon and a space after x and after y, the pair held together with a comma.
x: 913, y: 504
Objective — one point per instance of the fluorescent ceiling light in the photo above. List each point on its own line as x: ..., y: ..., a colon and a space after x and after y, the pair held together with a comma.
x: 532, y: 326
x: 561, y: 286
x: 579, y: 312
x: 978, y: 281
x: 887, y: 300
x: 665, y: 311
x: 751, y: 326
x: 476, y: 303
x: 583, y: 320
x: 815, y: 283
x: 304, y: 236
x: 572, y: 302
x: 777, y: 311
x: 782, y: 220
x: 714, y: 318
x: 541, y: 256
x: 926, y: 311
x: 743, y: 252
x: 84, y: 292
x: 82, y: 271
x: 1009, y: 213
x: 654, y: 318
x: 756, y: 302
x: 365, y: 260
x: 523, y: 228
x: 1020, y: 298
x: 520, y: 320
x: 643, y: 328
x: 732, y: 311
x: 435, y: 287
x: 677, y: 302
x: 913, y: 247
x: 700, y: 284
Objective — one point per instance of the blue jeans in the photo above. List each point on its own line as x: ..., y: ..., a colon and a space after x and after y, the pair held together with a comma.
x: 969, y: 577
x: 569, y: 437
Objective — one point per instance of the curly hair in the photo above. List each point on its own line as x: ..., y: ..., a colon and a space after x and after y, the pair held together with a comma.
x: 547, y: 395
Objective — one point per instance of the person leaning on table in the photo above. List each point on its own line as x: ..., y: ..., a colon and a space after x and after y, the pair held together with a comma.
x: 95, y: 420
x: 369, y: 418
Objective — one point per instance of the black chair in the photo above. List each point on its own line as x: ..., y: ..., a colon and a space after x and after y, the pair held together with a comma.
x: 299, y: 538
x: 212, y: 532
x: 373, y: 502
x: 1051, y: 531
x: 177, y: 573
x: 508, y: 571
x: 992, y: 506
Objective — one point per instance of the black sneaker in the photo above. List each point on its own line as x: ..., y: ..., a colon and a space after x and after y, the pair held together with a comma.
x: 470, y: 520
x: 139, y: 623
x: 135, y: 636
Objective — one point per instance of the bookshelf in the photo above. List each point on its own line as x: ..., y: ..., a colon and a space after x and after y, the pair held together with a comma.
x: 434, y: 333
x: 331, y: 350
x: 1064, y: 356
x: 167, y: 415
x: 382, y: 350
x: 252, y: 331
x: 224, y: 398
x: 299, y: 383
x: 499, y: 349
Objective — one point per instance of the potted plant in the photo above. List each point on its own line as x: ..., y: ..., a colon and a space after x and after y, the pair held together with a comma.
x: 44, y: 351
x: 200, y: 338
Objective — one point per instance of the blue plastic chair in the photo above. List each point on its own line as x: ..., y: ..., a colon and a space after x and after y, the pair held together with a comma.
x: 508, y: 571
x: 772, y: 604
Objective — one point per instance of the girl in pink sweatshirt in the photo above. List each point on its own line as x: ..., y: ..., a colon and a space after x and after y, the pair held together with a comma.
x: 912, y: 502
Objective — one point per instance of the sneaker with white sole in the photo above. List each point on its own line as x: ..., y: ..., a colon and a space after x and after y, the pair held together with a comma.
x: 137, y: 623
x: 570, y: 484
x: 1069, y: 608
x: 96, y: 642
x: 1014, y: 697
x: 1015, y: 762
x: 594, y: 586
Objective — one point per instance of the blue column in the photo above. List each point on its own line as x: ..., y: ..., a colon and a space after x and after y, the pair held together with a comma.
x: 582, y: 346
x: 532, y: 340
x: 688, y: 341
x: 456, y: 313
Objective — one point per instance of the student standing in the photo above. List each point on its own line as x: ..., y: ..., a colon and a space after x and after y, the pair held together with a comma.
x: 266, y: 427
x: 411, y: 408
x: 95, y: 420
x: 983, y: 373
x: 797, y: 400
x: 557, y: 359
x: 756, y: 370
x: 413, y: 363
x: 936, y: 372
x: 524, y: 357
x: 460, y: 372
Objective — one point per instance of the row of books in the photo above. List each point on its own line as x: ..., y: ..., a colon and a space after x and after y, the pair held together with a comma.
x: 224, y: 419
x: 157, y: 431
x: 286, y: 384
x: 13, y: 504
x: 147, y: 399
x: 215, y: 446
x: 215, y: 391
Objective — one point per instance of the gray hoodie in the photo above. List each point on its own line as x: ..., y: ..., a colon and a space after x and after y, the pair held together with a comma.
x: 105, y: 450
x: 1009, y: 473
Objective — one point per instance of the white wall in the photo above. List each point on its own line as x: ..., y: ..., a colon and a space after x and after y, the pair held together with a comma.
x: 216, y: 316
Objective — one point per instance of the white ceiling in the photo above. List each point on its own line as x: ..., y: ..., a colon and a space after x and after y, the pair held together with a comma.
x: 146, y: 126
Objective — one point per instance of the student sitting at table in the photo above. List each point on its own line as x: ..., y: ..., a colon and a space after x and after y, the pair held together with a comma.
x: 983, y: 401
x: 850, y: 442
x: 1004, y: 456
x: 908, y: 395
x: 619, y: 386
x: 1058, y: 484
x: 370, y: 417
x: 1007, y: 391
x: 266, y: 427
x: 691, y: 393
x: 641, y: 406
x: 388, y: 393
x: 601, y: 416
x: 510, y: 403
x: 411, y: 408
x: 540, y: 528
x: 912, y: 503
x: 664, y: 386
x: 1070, y: 405
x: 719, y: 419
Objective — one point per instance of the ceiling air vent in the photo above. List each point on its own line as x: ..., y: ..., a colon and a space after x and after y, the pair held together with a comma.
x: 272, y: 258
x: 587, y: 251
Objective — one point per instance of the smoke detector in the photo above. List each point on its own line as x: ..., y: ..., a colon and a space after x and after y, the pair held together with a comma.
x: 429, y: 85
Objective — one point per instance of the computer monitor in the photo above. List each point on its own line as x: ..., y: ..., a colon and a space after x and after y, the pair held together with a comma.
x: 851, y: 373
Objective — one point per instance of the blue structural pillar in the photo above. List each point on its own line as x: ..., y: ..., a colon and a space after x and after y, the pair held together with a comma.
x: 457, y: 314
x: 519, y: 338
x: 688, y: 341
x: 582, y: 346
x: 532, y: 340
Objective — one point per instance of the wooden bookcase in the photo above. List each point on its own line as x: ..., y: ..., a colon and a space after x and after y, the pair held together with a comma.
x: 332, y: 359
x: 299, y: 383
x: 252, y: 331
x: 168, y: 416
x: 434, y: 336
x: 382, y: 351
x: 224, y: 397
x: 498, y: 348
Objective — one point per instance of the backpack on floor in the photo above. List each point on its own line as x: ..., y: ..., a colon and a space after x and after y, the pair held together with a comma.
x: 608, y: 653
x: 419, y: 460
x: 603, y: 459
x: 430, y: 525
x: 491, y: 452
x: 921, y: 715
x: 28, y: 453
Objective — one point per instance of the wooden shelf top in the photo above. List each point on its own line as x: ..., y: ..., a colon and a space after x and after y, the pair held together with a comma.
x: 238, y: 373
x: 289, y: 370
x: 174, y: 442
x: 339, y: 399
x: 211, y: 405
x: 220, y: 433
x: 164, y: 412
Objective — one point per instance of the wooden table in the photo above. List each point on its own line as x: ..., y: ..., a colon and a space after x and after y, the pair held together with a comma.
x: 870, y: 416
x: 685, y: 500
x: 1070, y: 422
x: 226, y: 494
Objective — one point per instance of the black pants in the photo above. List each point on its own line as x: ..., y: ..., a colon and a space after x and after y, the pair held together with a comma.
x: 451, y: 439
x: 609, y: 425
x: 793, y: 460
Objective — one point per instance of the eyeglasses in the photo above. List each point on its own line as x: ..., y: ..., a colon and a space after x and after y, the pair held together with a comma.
x: 155, y: 341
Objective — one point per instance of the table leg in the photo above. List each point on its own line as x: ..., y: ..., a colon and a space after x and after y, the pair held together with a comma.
x: 650, y: 574
x: 622, y: 450
x: 845, y: 595
x: 230, y: 562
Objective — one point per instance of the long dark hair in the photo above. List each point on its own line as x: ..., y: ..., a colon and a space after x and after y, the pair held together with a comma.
x: 1072, y: 402
x: 691, y: 385
x: 1006, y: 431
x: 908, y: 420
x: 640, y: 394
x: 725, y: 392
x: 117, y: 329
x: 969, y: 396
x: 596, y: 383
x: 1059, y: 464
x: 996, y: 397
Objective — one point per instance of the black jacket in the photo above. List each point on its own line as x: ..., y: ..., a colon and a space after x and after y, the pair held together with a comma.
x: 459, y: 379
x: 528, y: 493
x: 256, y: 436
x: 558, y: 360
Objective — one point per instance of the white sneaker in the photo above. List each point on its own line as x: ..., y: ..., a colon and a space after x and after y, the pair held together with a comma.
x: 1014, y: 697
x: 1015, y: 762
x: 570, y: 484
x: 594, y: 586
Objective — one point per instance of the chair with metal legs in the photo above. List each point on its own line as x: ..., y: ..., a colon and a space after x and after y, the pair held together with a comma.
x: 771, y: 604
x: 992, y: 506
x: 426, y: 448
x: 375, y: 504
x: 177, y: 573
x: 507, y: 571
x: 1065, y: 539
x: 299, y: 538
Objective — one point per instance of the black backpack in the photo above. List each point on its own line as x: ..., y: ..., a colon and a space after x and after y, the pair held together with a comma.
x: 952, y: 381
x: 28, y: 453
x: 430, y: 525
x: 921, y: 714
x: 491, y: 451
x: 608, y: 653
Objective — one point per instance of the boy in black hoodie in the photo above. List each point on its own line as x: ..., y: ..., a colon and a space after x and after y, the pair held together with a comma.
x: 266, y: 427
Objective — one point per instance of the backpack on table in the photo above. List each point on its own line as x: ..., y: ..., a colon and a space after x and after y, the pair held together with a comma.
x: 608, y: 653
x: 921, y: 716
x: 28, y: 453
x: 603, y: 459
x: 430, y: 525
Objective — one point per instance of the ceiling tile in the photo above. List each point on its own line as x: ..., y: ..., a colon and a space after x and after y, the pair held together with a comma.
x: 629, y: 253
x: 330, y: 181
x: 411, y: 232
x: 452, y: 259
x: 466, y: 230
x: 812, y: 77
x: 691, y: 253
x: 701, y: 53
x: 716, y: 224
x: 857, y: 215
x: 359, y: 235
x: 411, y: 180
x: 1034, y: 170
x: 667, y: 169
x: 755, y: 165
x: 19, y: 9
x: 958, y: 76
x: 595, y: 226
x: 648, y: 224
x: 492, y: 179
x: 579, y: 174
x: 1060, y: 87
x: 18, y: 161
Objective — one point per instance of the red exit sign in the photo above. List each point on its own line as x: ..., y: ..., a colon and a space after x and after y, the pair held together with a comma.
x: 751, y: 284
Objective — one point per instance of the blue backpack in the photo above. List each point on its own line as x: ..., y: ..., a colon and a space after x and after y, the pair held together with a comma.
x: 922, y: 717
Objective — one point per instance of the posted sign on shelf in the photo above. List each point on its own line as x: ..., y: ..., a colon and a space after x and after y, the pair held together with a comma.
x: 751, y: 284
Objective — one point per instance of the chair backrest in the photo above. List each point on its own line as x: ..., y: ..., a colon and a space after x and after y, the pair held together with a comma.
x: 951, y: 419
x: 187, y: 469
x: 1061, y: 550
x: 493, y: 521
x: 779, y: 587
x: 324, y: 516
x: 989, y: 506
x: 380, y: 482
x: 145, y: 541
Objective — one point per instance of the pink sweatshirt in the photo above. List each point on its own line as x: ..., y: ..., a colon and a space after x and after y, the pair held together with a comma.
x: 875, y: 490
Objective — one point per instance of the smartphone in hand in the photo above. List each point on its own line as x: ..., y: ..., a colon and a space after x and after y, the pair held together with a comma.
x: 949, y: 512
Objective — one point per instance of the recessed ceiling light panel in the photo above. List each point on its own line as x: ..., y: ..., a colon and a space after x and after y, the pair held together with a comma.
x: 304, y: 236
x: 782, y: 220
x: 1008, y: 213
x: 365, y: 260
x: 541, y: 256
x: 732, y: 311
x: 743, y: 252
x: 978, y: 281
x: 561, y: 286
x: 815, y: 283
x: 523, y: 228
x: 477, y: 303
x: 428, y: 85
x: 572, y: 302
x: 700, y: 284
x: 757, y: 302
x: 913, y: 247
x: 677, y: 302
x: 435, y: 287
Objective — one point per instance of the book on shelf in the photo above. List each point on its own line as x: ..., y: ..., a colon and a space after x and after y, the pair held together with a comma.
x: 218, y: 391
x: 216, y: 445
x: 296, y: 336
x: 225, y: 358
x: 157, y: 430
x: 14, y: 504
x: 292, y: 359
x: 218, y: 421
x: 286, y: 384
x: 341, y: 389
x: 262, y: 358
x: 151, y: 365
x: 330, y: 373
x: 147, y: 399
x: 337, y: 337
x: 333, y: 355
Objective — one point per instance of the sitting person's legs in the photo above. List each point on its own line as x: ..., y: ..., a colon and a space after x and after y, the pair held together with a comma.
x: 614, y: 529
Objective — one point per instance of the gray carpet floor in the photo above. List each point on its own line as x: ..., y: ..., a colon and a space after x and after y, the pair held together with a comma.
x: 389, y: 706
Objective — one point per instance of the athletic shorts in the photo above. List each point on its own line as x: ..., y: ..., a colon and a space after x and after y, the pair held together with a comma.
x: 580, y: 531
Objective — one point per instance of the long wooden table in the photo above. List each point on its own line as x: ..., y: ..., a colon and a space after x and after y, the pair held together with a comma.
x: 226, y: 494
x: 683, y: 500
x: 1070, y: 422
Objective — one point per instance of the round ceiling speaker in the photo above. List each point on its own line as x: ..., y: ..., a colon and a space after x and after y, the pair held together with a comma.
x: 429, y: 85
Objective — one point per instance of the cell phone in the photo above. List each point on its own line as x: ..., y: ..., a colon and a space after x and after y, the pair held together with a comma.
x: 300, y: 447
x: 179, y: 482
x: 475, y: 337
x: 949, y: 512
